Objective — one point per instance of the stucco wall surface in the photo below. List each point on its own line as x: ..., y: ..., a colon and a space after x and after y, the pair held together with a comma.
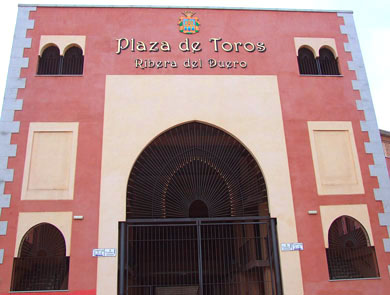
x: 83, y: 98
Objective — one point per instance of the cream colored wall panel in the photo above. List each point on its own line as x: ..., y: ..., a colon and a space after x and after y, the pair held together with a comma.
x: 50, y: 149
x: 332, y: 212
x: 62, y: 41
x: 50, y: 161
x: 61, y: 220
x: 316, y: 44
x: 138, y: 108
x: 335, y: 159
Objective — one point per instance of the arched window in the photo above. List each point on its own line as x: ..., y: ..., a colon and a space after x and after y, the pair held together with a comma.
x: 49, y: 62
x: 41, y: 263
x: 328, y: 63
x: 350, y: 255
x: 307, y: 63
x: 73, y: 61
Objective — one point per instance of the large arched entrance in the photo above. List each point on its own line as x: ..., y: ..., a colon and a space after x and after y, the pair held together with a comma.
x: 197, y: 219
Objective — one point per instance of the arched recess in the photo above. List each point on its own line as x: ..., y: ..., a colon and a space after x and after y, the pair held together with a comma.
x: 328, y: 62
x: 73, y: 61
x: 41, y: 263
x: 195, y: 162
x: 350, y: 254
x: 50, y: 61
x: 307, y: 62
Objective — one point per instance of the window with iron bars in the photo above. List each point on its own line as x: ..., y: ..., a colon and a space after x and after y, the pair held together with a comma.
x: 350, y: 255
x: 326, y: 64
x: 42, y: 263
x: 52, y: 63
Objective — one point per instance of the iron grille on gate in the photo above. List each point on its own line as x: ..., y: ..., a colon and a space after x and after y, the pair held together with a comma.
x: 202, y: 256
x: 195, y: 162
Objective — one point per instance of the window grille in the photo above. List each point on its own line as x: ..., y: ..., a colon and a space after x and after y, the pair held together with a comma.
x: 328, y: 63
x: 52, y: 63
x: 73, y: 61
x: 307, y: 63
x: 42, y: 264
x: 350, y: 255
x: 325, y: 64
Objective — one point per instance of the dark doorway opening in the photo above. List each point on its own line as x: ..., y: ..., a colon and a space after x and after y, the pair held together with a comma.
x: 197, y: 219
x: 198, y: 209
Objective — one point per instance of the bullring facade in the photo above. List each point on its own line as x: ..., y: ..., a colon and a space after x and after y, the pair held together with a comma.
x: 152, y: 150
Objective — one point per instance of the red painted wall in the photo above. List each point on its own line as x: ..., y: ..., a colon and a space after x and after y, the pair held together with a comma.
x: 81, y: 99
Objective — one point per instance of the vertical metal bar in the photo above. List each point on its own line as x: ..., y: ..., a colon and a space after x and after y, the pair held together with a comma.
x: 122, y: 257
x: 60, y: 65
x: 270, y: 257
x: 200, y: 266
x: 275, y: 247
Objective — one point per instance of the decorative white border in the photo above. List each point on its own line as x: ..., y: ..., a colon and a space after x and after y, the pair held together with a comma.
x: 374, y: 146
x: 12, y: 104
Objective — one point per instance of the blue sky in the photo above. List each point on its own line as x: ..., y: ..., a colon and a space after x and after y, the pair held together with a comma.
x: 372, y: 21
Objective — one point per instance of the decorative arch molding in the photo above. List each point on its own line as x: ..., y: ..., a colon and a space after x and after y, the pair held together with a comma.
x: 316, y: 44
x: 330, y: 213
x: 43, y: 239
x: 63, y: 42
x: 61, y: 220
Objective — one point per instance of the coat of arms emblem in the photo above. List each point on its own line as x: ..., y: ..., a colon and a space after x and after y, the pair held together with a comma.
x: 188, y: 24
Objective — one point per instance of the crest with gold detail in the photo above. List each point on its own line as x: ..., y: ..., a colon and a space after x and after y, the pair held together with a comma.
x: 188, y: 24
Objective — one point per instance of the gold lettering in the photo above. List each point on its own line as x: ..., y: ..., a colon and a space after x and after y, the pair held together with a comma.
x: 165, y: 46
x: 261, y: 47
x: 229, y: 45
x: 153, y: 46
x: 236, y: 44
x: 215, y: 40
x: 212, y: 63
x: 186, y: 46
x: 132, y: 44
x: 141, y: 46
x: 150, y: 63
x: 138, y: 63
x: 120, y: 45
x: 249, y: 49
x: 195, y: 46
x: 243, y: 64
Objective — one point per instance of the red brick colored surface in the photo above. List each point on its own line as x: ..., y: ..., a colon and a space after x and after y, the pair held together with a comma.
x: 81, y: 99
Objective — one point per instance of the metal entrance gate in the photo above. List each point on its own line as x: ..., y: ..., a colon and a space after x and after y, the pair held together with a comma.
x: 202, y: 256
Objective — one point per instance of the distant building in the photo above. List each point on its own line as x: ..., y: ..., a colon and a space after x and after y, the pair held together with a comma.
x: 385, y: 136
x: 209, y: 151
